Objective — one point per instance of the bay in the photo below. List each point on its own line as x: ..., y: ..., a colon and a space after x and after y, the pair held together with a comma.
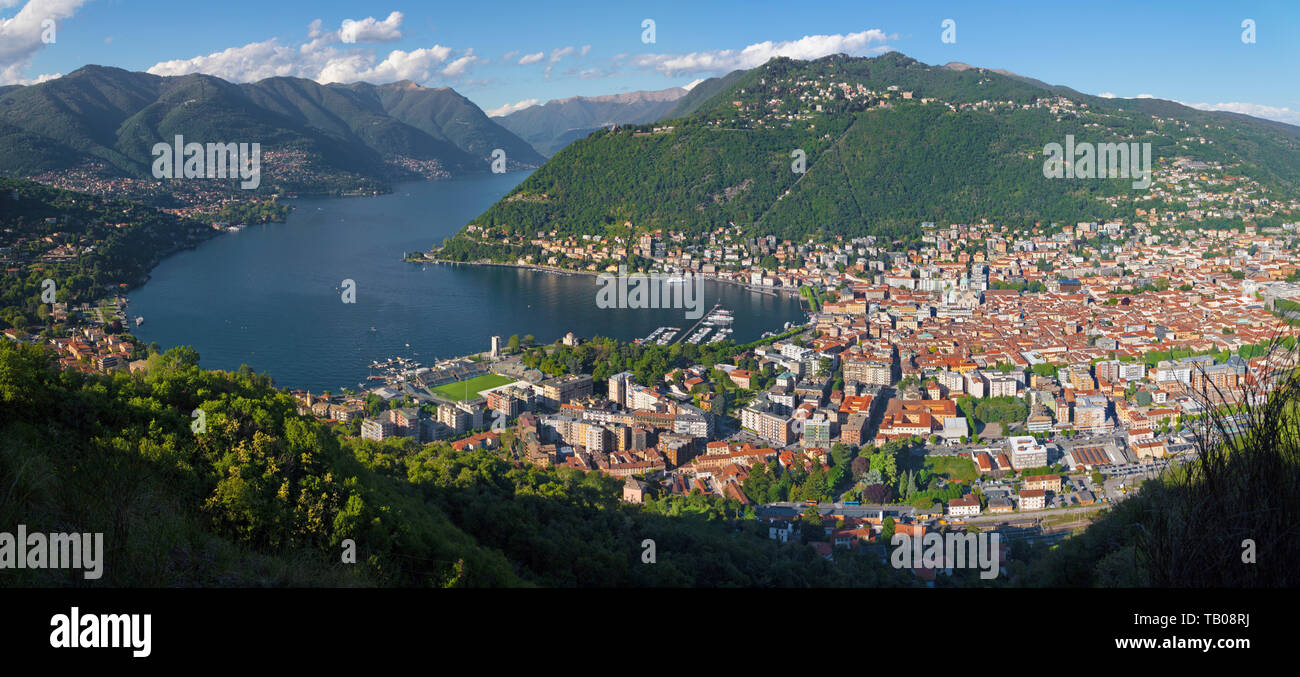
x: 271, y: 295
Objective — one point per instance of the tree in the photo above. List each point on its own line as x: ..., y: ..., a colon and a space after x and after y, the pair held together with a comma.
x: 1044, y: 369
x: 812, y: 526
x: 886, y: 462
x: 887, y: 530
x: 877, y: 493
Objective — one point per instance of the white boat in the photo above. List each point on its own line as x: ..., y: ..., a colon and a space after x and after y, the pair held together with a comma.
x: 139, y: 321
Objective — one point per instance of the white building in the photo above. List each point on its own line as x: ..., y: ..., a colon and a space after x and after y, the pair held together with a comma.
x: 1026, y: 452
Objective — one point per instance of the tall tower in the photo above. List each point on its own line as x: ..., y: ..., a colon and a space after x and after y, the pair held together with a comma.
x: 496, y: 347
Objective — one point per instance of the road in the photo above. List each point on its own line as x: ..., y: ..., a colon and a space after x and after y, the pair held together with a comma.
x: 1034, y: 514
x: 790, y: 509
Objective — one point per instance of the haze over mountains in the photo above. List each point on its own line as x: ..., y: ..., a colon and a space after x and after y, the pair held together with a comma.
x: 554, y: 124
x: 107, y: 120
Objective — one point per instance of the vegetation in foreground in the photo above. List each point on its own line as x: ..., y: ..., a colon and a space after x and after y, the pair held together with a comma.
x: 265, y: 497
x: 1228, y: 518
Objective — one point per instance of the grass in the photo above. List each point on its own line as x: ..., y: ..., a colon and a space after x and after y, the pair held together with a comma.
x: 468, y: 390
x: 810, y: 296
x: 956, y: 468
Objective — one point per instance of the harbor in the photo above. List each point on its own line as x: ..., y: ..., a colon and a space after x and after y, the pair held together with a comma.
x: 715, y: 326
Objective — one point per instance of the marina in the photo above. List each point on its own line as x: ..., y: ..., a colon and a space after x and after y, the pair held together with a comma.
x: 699, y: 335
x: 716, y: 322
x: 718, y: 317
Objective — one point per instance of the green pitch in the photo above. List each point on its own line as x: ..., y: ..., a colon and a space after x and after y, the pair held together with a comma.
x: 468, y: 390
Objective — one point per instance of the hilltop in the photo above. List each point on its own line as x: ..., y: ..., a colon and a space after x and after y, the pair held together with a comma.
x: 888, y: 143
x: 103, y: 122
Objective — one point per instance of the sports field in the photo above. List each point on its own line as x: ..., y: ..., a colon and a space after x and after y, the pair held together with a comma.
x: 468, y: 390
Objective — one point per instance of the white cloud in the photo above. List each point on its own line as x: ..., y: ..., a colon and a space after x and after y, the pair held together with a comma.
x: 416, y: 65
x: 531, y: 58
x: 321, y: 63
x: 20, y: 35
x: 557, y: 54
x: 253, y: 61
x: 334, y: 56
x: 370, y: 30
x: 1107, y: 95
x: 1276, y: 113
x: 459, y: 66
x: 560, y: 53
x: 511, y: 108
x: 691, y: 85
x: 1279, y: 114
x: 726, y: 60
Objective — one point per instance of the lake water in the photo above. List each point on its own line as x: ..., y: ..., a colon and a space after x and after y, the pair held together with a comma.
x: 270, y: 296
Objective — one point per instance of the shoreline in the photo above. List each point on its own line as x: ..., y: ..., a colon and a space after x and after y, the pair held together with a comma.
x: 295, y: 204
x: 771, y: 291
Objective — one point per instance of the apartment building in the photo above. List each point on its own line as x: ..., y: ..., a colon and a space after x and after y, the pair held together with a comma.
x: 377, y: 429
x: 563, y: 389
x: 968, y: 505
x: 1026, y: 452
x: 1033, y: 499
x: 1050, y: 483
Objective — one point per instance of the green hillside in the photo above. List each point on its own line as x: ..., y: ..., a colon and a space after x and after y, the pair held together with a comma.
x: 106, y: 121
x: 263, y: 496
x: 118, y: 242
x: 876, y: 162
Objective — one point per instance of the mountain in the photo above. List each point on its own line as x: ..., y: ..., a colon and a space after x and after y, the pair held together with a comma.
x: 701, y: 93
x: 889, y: 142
x: 317, y: 136
x: 959, y: 66
x: 554, y: 124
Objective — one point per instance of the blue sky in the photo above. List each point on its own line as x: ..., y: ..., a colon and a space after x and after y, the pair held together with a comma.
x: 503, y: 53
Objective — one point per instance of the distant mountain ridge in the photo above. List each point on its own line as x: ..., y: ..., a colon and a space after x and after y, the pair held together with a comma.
x: 554, y: 124
x: 109, y: 119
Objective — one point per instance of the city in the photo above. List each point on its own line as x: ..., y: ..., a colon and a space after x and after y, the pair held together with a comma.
x: 881, y: 313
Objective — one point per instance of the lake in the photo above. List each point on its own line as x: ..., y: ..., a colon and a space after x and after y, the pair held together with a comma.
x: 271, y: 295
